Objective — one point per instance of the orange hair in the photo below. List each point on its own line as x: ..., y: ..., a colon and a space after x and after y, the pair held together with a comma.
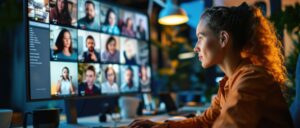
x: 264, y: 48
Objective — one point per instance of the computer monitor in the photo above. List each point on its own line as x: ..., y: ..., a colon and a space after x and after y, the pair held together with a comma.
x: 86, y: 48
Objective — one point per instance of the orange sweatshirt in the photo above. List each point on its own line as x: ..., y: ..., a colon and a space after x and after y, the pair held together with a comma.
x: 249, y: 99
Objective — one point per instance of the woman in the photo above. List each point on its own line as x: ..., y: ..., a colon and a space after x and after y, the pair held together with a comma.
x: 60, y: 13
x: 243, y: 44
x: 63, y: 47
x: 110, y: 85
x: 111, y: 54
x: 64, y: 85
x: 129, y: 53
x: 109, y: 26
x: 127, y: 29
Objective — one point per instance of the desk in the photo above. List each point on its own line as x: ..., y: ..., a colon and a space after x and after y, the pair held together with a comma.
x: 93, y: 121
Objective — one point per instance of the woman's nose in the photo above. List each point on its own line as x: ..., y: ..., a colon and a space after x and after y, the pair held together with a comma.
x: 196, y: 49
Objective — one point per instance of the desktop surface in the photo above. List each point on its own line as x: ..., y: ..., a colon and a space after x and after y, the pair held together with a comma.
x: 93, y: 121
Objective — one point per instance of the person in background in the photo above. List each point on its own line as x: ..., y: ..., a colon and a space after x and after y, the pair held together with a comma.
x: 90, y: 55
x: 111, y: 53
x: 129, y: 85
x: 140, y: 30
x: 63, y: 47
x: 88, y: 87
x: 144, y: 79
x: 127, y: 29
x: 243, y: 43
x: 129, y: 53
x: 110, y: 86
x: 110, y: 24
x: 64, y: 85
x: 89, y: 21
x: 60, y: 13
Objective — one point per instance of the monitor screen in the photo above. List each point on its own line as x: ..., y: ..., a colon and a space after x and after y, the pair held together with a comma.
x: 80, y: 48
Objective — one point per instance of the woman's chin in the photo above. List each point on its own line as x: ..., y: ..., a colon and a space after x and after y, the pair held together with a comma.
x: 204, y: 65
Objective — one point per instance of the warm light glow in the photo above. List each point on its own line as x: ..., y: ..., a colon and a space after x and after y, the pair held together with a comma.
x: 186, y: 55
x: 173, y: 20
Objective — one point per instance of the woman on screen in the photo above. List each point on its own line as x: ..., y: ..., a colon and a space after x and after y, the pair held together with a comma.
x: 110, y: 24
x: 64, y: 84
x: 63, y: 47
x: 243, y: 43
x: 110, y: 86
x: 60, y: 13
x: 127, y: 29
x: 129, y: 53
x: 111, y: 53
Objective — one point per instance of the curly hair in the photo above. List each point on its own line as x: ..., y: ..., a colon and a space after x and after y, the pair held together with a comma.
x: 254, y: 37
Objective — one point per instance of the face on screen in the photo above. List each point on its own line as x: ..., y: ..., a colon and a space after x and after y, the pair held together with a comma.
x: 60, y: 5
x: 65, y: 73
x: 112, y: 18
x: 111, y: 46
x: 130, y: 79
x: 128, y: 76
x: 129, y: 22
x: 141, y: 27
x: 89, y: 11
x: 130, y: 48
x: 144, y: 71
x: 143, y: 53
x: 110, y: 75
x: 90, y: 43
x: 145, y: 78
x: 67, y: 40
x: 90, y: 77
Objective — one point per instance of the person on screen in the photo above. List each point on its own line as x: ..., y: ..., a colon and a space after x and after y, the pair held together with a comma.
x: 110, y: 86
x: 127, y: 28
x: 89, y: 21
x: 90, y: 55
x: 63, y: 47
x: 111, y: 53
x: 244, y: 44
x: 88, y: 87
x: 129, y: 85
x: 60, y: 13
x: 64, y: 84
x: 144, y: 79
x: 141, y: 32
x: 129, y: 53
x: 110, y: 24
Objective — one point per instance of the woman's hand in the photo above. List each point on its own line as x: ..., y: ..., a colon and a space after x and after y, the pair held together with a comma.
x: 140, y: 123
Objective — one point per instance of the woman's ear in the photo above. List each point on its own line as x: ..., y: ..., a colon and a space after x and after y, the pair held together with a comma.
x: 224, y: 38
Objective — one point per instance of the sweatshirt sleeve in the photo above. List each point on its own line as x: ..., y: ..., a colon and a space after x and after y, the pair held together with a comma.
x: 203, y: 121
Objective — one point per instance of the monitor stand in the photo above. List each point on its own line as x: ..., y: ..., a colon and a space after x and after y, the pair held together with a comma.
x: 71, y: 111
